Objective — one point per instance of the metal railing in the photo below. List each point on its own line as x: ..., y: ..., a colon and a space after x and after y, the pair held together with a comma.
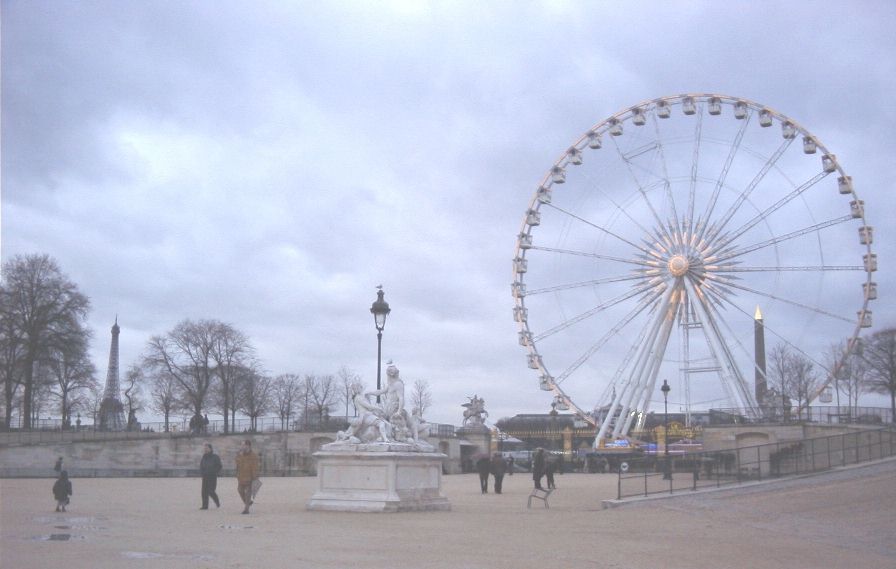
x: 52, y: 431
x: 826, y: 415
x: 690, y: 471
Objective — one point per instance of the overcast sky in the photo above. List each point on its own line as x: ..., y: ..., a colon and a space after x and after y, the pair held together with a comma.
x: 268, y: 164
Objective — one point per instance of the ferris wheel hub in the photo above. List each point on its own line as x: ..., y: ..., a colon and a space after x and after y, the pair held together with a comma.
x: 679, y: 265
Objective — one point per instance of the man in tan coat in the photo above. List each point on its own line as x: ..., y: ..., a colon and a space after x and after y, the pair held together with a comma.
x: 246, y: 472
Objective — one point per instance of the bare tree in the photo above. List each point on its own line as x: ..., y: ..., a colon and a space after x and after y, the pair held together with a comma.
x: 309, y: 385
x: 45, y: 309
x: 256, y: 390
x: 163, y: 395
x: 421, y: 396
x: 133, y: 392
x: 794, y: 375
x: 324, y: 397
x: 71, y: 372
x: 41, y: 389
x: 286, y: 391
x: 879, y: 352
x: 12, y: 357
x: 347, y: 380
x: 91, y: 402
x: 185, y: 354
x: 231, y: 352
x: 849, y: 377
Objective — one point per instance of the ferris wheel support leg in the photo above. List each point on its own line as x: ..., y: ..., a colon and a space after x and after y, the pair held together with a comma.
x: 650, y: 359
x: 656, y: 359
x: 635, y: 382
x: 623, y: 397
x: 732, y: 378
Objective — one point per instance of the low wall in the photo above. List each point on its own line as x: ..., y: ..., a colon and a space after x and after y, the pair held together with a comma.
x: 280, y: 454
x: 730, y: 437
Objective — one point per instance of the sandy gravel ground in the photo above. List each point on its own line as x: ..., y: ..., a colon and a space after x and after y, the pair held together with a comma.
x: 843, y: 519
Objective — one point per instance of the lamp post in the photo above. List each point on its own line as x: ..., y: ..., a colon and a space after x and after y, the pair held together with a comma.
x: 380, y: 309
x: 553, y: 413
x: 667, y: 475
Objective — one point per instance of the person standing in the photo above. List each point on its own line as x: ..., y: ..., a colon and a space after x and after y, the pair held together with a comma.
x: 483, y: 467
x: 246, y: 473
x: 62, y: 489
x: 538, y: 468
x: 510, y: 465
x: 209, y: 468
x: 549, y: 468
x: 58, y: 466
x: 498, y: 468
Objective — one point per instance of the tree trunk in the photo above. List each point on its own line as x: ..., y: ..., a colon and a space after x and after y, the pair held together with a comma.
x: 27, y: 383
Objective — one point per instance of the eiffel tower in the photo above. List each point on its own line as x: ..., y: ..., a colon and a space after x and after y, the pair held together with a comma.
x: 111, y: 408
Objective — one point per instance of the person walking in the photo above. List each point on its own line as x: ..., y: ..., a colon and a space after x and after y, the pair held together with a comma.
x: 510, y: 465
x: 62, y: 489
x: 209, y: 468
x: 58, y: 466
x: 538, y: 468
x: 549, y: 468
x: 246, y: 473
x: 483, y: 467
x: 498, y: 468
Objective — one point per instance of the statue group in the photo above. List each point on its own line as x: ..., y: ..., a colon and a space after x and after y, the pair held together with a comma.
x: 386, y: 421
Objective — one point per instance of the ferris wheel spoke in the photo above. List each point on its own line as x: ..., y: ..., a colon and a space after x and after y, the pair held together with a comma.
x: 771, y: 209
x: 773, y: 330
x: 732, y: 377
x: 614, y: 330
x: 589, y: 313
x: 581, y: 284
x: 801, y: 305
x: 720, y: 226
x: 692, y: 190
x: 656, y: 217
x: 723, y: 175
x: 622, y: 210
x: 725, y: 300
x: 596, y: 226
x: 778, y: 269
x: 629, y: 261
x: 661, y: 154
x: 782, y: 238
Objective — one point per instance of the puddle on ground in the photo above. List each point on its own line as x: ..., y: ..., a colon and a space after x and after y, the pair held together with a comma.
x: 58, y: 537
x: 63, y: 519
x: 152, y: 555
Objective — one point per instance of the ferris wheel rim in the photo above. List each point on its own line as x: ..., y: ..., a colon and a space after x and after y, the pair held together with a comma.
x: 573, y: 156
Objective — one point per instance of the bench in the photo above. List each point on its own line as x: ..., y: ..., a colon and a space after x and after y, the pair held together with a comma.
x: 540, y: 494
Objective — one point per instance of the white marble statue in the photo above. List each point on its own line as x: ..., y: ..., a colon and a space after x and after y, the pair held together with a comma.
x: 475, y: 409
x: 388, y: 422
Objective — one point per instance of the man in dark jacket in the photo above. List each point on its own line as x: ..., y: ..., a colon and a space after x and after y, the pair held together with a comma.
x: 498, y: 468
x: 62, y: 489
x: 483, y: 467
x: 209, y: 468
x: 538, y: 468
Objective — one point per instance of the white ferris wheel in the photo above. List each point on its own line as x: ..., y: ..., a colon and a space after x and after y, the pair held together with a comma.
x: 651, y: 244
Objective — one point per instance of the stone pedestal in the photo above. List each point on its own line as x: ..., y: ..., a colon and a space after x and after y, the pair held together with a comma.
x: 378, y: 478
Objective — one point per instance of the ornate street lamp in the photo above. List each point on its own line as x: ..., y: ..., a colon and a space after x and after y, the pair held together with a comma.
x: 553, y: 414
x: 380, y: 309
x: 667, y: 475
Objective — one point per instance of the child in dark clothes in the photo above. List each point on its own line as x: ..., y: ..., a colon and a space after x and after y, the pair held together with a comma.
x: 62, y: 489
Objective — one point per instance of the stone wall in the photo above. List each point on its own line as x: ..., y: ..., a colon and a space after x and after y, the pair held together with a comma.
x: 281, y: 454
